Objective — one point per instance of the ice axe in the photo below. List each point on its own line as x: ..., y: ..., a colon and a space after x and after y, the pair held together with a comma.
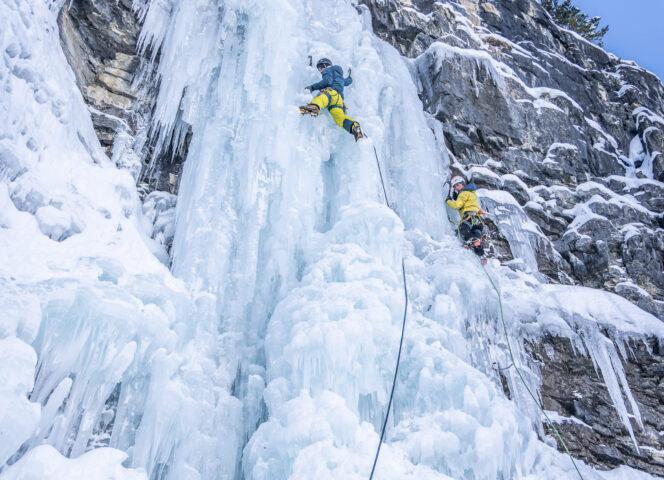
x: 449, y: 189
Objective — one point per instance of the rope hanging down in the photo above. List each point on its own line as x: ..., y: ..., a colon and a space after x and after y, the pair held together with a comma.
x: 518, y: 371
x: 509, y: 346
x: 403, y: 328
x: 380, y: 172
x: 396, y: 370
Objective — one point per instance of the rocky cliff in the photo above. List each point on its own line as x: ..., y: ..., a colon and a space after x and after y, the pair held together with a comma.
x: 571, y: 135
x: 99, y: 39
x: 571, y: 132
x: 101, y: 42
x: 572, y: 387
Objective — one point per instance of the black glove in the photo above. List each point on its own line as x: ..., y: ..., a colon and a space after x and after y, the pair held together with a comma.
x: 309, y: 88
x: 349, y: 70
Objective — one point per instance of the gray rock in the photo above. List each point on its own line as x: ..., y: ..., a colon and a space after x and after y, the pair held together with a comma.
x: 106, y: 62
x: 567, y: 116
x: 517, y: 188
x: 103, y: 59
x: 570, y: 387
x: 552, y: 226
x: 641, y: 255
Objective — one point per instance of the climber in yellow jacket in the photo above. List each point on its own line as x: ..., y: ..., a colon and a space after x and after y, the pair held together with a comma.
x: 464, y: 199
x: 332, y: 97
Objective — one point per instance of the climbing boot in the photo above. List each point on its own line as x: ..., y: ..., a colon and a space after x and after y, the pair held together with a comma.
x: 477, y: 247
x: 310, y: 109
x: 356, y: 131
x: 472, y: 243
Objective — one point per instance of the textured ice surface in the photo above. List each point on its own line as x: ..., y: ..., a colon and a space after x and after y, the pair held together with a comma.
x: 270, y: 351
x: 46, y: 463
x: 91, y: 320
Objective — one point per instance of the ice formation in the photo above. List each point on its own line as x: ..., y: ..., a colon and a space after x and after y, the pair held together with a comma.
x: 268, y: 351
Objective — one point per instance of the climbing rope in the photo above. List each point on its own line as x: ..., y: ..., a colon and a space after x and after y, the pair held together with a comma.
x: 403, y: 328
x: 509, y: 346
x: 518, y: 371
x: 494, y: 365
x: 380, y: 172
x: 396, y: 370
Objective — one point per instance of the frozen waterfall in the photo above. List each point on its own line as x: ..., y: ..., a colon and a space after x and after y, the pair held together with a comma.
x: 267, y: 352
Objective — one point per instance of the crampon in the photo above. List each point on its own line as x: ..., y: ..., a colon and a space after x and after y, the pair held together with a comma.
x: 356, y: 131
x: 310, y: 109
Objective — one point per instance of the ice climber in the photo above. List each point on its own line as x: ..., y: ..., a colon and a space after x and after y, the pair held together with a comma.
x: 332, y: 97
x: 464, y: 199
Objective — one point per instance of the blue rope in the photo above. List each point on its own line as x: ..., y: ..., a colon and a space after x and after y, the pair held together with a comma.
x: 396, y: 370
x: 403, y: 328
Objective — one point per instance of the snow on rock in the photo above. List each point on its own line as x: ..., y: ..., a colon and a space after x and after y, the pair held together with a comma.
x: 276, y: 344
x: 521, y: 232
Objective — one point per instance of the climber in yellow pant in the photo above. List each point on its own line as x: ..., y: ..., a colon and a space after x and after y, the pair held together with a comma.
x: 331, y: 97
x: 331, y: 100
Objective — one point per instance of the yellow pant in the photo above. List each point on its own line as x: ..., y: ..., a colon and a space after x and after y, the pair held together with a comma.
x: 331, y: 100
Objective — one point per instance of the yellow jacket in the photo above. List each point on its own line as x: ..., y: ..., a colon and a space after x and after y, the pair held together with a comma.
x: 467, y: 201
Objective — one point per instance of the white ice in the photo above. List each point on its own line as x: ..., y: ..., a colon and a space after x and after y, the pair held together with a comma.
x: 268, y: 352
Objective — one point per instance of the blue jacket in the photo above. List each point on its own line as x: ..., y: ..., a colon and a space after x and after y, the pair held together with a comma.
x: 333, y: 77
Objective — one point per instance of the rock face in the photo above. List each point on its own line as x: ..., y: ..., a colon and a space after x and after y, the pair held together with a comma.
x: 100, y: 41
x: 573, y: 387
x: 579, y: 131
x: 567, y: 141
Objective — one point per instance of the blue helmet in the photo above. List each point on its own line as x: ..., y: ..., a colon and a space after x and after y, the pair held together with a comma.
x: 323, y: 62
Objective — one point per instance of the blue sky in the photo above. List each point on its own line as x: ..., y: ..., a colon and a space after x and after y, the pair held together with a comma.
x: 636, y: 29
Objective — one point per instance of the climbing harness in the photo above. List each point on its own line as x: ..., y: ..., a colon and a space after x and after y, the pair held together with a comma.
x: 518, y: 371
x: 509, y: 347
x: 403, y: 328
x: 330, y: 92
x: 507, y: 340
x: 475, y: 218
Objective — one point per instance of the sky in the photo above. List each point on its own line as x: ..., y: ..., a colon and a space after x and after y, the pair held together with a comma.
x: 635, y: 29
